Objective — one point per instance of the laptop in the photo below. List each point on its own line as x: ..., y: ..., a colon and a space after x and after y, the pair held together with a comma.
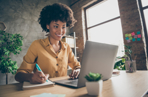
x: 97, y: 58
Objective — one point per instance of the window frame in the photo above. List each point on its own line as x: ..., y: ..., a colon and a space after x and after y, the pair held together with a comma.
x: 85, y: 15
x: 143, y: 22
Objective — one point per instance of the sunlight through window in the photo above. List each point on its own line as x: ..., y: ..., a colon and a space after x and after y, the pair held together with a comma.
x: 144, y: 3
x: 102, y: 11
x: 146, y: 17
x: 109, y: 32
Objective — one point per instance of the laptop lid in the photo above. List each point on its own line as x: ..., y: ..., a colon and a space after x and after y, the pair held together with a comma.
x: 97, y: 58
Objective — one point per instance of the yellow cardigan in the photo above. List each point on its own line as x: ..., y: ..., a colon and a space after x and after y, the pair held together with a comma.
x: 54, y: 64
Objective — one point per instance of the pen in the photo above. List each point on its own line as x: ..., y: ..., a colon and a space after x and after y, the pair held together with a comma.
x: 39, y: 69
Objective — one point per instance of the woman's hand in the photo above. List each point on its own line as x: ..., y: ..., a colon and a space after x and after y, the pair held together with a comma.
x: 38, y: 77
x: 74, y: 74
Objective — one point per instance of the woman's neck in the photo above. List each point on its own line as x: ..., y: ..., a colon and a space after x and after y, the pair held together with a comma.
x: 53, y: 41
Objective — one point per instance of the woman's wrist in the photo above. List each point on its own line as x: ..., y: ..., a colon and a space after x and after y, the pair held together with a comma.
x: 21, y: 76
x: 29, y: 77
x: 77, y: 68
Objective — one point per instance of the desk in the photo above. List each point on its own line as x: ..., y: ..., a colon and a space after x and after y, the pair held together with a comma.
x: 124, y: 85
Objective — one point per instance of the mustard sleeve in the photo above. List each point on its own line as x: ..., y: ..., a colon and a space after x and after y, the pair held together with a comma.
x: 28, y: 63
x: 72, y: 61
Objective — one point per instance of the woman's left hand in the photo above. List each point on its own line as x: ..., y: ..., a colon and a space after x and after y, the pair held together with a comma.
x: 74, y: 74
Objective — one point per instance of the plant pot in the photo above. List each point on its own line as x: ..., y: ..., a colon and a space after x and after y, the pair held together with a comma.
x: 6, y: 78
x: 94, y: 88
x: 130, y: 66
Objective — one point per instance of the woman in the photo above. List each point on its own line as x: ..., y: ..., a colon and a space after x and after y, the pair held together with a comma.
x: 51, y: 54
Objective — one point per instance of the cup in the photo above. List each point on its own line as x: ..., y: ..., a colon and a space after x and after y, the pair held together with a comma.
x: 130, y: 66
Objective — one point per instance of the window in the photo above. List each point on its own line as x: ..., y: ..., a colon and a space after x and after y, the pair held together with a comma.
x: 143, y: 5
x: 103, y: 24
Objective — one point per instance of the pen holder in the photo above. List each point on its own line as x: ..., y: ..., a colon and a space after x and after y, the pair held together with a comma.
x: 130, y: 66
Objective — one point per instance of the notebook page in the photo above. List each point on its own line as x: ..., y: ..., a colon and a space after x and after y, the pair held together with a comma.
x: 29, y: 85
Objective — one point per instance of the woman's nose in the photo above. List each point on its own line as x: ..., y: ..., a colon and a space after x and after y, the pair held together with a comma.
x: 60, y: 30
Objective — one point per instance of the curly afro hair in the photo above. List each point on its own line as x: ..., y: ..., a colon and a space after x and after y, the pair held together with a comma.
x: 56, y: 12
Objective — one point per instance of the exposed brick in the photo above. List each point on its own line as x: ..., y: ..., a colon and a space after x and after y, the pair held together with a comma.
x: 130, y: 20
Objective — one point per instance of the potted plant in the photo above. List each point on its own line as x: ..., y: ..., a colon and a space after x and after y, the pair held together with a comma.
x: 126, y: 62
x: 94, y: 83
x: 130, y: 63
x: 9, y: 43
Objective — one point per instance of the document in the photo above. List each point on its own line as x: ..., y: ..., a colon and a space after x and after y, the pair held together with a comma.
x: 49, y: 95
x: 29, y: 85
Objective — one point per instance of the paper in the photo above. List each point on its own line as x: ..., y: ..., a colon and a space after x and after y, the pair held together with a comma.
x: 126, y: 35
x: 130, y: 38
x: 135, y: 36
x: 60, y: 95
x: 133, y: 33
x: 138, y: 32
x: 29, y: 85
x: 128, y: 41
x: 48, y: 95
x: 138, y: 39
x: 139, y: 36
x: 129, y: 35
x: 133, y: 39
x: 127, y: 38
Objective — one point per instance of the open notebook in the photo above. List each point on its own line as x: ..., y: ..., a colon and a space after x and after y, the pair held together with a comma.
x: 29, y: 85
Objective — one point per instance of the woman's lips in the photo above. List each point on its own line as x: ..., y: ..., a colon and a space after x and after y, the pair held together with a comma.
x: 60, y: 35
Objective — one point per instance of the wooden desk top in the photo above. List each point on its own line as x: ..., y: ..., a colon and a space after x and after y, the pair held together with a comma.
x: 124, y: 85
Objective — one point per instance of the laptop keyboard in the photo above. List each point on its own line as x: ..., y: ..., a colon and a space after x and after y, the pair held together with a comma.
x: 72, y: 82
x: 68, y: 82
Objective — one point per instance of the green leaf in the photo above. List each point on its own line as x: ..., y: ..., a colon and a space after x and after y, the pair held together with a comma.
x: 88, y: 78
x: 7, y: 53
x: 11, y: 62
x: 9, y: 43
x: 99, y: 77
x: 93, y: 76
x: 9, y: 68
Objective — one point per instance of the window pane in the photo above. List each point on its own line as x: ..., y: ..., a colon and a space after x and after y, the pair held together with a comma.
x: 110, y: 33
x: 144, y: 2
x: 102, y: 11
x: 146, y: 17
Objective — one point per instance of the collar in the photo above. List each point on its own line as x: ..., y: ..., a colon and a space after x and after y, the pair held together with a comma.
x: 47, y: 43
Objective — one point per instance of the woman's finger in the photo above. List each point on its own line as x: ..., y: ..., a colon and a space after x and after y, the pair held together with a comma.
x: 72, y: 73
x: 77, y: 74
x: 72, y: 77
x: 40, y: 74
x: 40, y: 77
x: 36, y: 80
x: 46, y: 76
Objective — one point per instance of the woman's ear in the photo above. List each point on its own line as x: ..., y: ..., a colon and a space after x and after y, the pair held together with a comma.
x: 47, y: 30
x: 47, y: 26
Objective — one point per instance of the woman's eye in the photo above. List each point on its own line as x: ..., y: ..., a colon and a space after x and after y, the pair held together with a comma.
x: 56, y: 26
x: 63, y: 27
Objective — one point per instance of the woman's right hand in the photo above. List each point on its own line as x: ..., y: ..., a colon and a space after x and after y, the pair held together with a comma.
x: 38, y: 77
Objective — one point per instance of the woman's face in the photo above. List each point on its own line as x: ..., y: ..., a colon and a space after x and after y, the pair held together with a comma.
x: 57, y: 29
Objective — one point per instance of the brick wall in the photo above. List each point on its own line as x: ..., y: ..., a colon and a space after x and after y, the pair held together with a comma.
x: 79, y: 28
x: 130, y: 20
